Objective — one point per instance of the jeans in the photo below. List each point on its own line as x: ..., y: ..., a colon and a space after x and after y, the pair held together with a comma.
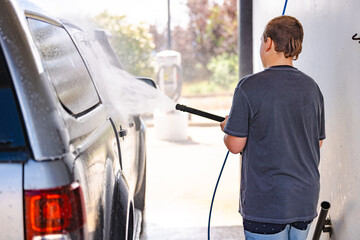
x: 289, y: 233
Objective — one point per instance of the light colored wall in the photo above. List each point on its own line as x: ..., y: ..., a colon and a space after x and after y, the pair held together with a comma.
x: 332, y: 58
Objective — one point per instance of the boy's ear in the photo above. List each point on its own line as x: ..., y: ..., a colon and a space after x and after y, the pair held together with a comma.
x: 268, y: 44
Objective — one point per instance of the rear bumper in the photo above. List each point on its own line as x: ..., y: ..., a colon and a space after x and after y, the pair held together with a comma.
x: 11, y: 200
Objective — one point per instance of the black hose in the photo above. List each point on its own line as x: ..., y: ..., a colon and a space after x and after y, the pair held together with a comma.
x: 199, y: 113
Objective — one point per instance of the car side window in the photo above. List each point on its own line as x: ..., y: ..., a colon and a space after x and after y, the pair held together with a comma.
x: 65, y: 67
x: 12, y: 136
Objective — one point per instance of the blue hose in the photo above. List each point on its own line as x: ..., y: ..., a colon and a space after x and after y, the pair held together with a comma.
x: 284, y: 7
x: 213, y: 197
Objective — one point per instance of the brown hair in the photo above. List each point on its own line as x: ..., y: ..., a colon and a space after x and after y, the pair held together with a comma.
x: 287, y: 34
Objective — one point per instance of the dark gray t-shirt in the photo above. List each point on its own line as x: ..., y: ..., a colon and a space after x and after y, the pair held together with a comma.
x: 281, y: 112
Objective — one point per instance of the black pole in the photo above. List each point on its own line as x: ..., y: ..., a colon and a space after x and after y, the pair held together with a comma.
x: 245, y: 42
x: 199, y: 113
x: 325, y: 206
x: 169, y: 27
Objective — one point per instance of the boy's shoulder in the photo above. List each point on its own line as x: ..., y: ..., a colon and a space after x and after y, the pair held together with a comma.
x: 252, y: 79
x: 265, y: 76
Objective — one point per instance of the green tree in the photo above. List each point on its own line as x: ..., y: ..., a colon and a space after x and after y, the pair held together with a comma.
x: 132, y: 43
x: 229, y: 31
x: 199, y: 14
x: 214, y: 28
x: 224, y: 68
x: 212, y: 31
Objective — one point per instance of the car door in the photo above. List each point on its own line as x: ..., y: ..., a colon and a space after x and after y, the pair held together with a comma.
x: 109, y: 80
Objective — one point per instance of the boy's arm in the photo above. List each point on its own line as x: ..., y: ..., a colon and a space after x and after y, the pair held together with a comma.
x: 234, y: 144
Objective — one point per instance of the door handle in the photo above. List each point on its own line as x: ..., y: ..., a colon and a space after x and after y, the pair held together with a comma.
x: 122, y: 132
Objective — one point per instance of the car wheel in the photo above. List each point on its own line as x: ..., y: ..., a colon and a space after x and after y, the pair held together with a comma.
x: 122, y: 213
x: 139, y: 199
x: 130, y: 235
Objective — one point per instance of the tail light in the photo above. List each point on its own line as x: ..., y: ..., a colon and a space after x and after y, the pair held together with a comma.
x: 55, y: 213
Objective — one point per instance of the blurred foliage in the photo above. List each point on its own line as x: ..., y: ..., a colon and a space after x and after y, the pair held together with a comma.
x: 214, y: 28
x: 212, y: 31
x: 199, y: 88
x: 132, y: 43
x: 225, y: 69
x: 205, y: 88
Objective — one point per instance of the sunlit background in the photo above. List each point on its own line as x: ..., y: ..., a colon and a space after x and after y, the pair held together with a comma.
x: 150, y: 12
x: 181, y: 175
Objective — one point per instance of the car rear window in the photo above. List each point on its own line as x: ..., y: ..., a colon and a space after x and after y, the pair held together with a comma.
x: 12, y: 137
x: 65, y: 67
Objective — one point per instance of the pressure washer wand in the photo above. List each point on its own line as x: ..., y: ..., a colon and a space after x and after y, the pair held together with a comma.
x: 199, y: 113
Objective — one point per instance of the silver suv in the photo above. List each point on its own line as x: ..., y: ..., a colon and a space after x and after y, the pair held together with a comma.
x: 69, y: 168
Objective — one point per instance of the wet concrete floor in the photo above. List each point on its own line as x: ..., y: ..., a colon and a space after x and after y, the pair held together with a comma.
x: 181, y: 176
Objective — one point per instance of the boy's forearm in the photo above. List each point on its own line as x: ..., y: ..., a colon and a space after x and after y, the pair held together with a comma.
x: 234, y: 144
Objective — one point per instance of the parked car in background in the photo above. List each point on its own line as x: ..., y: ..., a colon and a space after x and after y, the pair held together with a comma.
x: 69, y: 167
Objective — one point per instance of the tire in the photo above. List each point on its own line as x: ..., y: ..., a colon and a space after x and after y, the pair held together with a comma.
x: 121, y: 212
x: 130, y: 227
x: 139, y: 198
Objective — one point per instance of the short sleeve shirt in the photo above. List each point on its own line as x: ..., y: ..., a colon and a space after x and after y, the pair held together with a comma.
x: 281, y: 112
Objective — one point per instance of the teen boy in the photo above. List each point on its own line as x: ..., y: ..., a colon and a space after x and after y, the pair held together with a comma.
x: 277, y: 121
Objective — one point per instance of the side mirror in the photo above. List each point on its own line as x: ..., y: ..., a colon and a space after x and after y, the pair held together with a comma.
x: 148, y: 81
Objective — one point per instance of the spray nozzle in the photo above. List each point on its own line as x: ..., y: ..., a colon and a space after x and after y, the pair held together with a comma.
x: 198, y: 112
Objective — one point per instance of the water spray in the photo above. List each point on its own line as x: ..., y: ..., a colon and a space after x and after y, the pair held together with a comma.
x: 199, y: 113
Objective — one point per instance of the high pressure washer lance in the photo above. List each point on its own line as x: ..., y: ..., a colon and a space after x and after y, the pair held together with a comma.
x: 215, y: 118
x: 199, y: 113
